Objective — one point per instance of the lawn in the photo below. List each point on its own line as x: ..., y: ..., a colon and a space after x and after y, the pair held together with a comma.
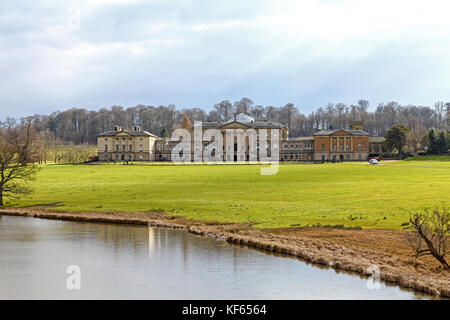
x: 299, y: 195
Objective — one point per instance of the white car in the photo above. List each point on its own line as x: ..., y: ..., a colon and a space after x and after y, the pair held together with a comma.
x: 373, y: 161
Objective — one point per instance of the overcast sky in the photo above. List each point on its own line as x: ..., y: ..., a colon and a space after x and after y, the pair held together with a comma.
x: 193, y: 53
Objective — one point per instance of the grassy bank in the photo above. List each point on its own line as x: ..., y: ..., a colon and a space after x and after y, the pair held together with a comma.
x: 429, y: 158
x: 299, y: 195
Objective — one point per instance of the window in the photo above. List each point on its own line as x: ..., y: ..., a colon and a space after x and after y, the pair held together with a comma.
x: 123, y: 147
x: 348, y: 147
x: 141, y: 147
x: 334, y: 147
x: 106, y: 147
x: 106, y: 139
x: 341, y: 147
x: 359, y: 147
x: 323, y: 147
x: 130, y: 147
x: 323, y: 139
x: 117, y: 147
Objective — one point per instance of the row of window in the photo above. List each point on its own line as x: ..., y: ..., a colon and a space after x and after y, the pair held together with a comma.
x: 302, y: 146
x: 341, y: 138
x: 341, y: 147
x: 298, y: 157
x: 125, y: 139
x: 124, y: 147
x: 120, y: 157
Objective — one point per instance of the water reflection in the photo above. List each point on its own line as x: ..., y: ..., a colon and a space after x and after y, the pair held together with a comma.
x: 136, y: 262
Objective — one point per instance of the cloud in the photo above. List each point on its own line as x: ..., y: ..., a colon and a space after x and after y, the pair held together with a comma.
x: 195, y: 53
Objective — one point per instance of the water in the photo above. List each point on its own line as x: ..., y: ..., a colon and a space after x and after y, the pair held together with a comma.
x: 137, y: 262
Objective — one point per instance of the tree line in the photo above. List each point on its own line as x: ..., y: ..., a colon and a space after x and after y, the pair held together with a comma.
x: 81, y: 126
x: 415, y: 140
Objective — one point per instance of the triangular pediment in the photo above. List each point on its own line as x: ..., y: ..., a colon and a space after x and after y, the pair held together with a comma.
x: 123, y: 134
x: 341, y: 133
x: 235, y: 125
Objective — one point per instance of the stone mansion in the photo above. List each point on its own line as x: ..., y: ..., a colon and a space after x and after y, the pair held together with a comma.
x: 325, y: 145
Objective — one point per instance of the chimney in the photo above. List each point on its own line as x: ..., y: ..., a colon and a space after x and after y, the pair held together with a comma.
x: 118, y: 128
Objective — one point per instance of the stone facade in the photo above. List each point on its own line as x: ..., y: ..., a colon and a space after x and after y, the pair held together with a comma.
x: 341, y: 145
x: 324, y: 145
x: 126, y: 145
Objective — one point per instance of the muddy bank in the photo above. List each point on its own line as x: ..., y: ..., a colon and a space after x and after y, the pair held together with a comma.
x: 355, y: 251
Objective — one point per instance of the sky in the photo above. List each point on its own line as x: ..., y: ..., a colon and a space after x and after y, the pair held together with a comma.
x: 56, y: 55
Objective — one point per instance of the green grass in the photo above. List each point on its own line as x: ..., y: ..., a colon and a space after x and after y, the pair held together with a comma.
x: 350, y: 195
x: 419, y: 163
x: 428, y: 158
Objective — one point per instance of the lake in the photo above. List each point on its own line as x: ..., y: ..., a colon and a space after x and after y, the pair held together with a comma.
x: 138, y: 262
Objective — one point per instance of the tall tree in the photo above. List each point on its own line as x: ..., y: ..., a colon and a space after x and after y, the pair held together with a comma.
x: 243, y: 106
x: 15, y: 170
x: 225, y: 109
x: 396, y: 139
x: 416, y: 136
x: 164, y: 133
x: 287, y: 114
x: 442, y: 143
x: 433, y: 147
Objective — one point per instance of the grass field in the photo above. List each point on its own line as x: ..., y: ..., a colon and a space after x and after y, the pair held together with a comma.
x: 428, y: 158
x: 323, y: 194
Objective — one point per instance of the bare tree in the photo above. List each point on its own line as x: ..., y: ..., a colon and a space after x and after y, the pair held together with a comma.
x: 416, y: 136
x: 431, y: 234
x: 257, y: 112
x: 14, y: 171
x: 225, y: 109
x: 80, y: 126
x: 243, y: 106
x: 439, y: 109
x: 287, y: 114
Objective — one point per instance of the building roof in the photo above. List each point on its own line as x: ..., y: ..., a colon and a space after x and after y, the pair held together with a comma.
x: 376, y: 139
x: 330, y: 132
x: 301, y: 139
x: 258, y: 124
x: 113, y: 133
